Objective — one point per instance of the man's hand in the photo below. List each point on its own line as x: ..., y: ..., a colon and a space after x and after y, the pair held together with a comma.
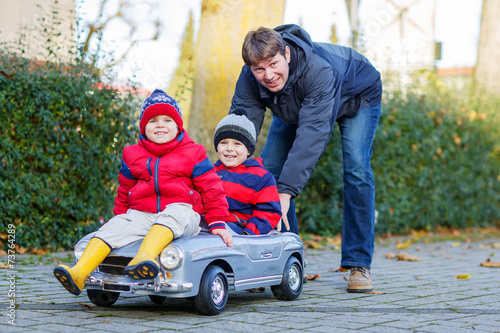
x: 285, y: 206
x: 226, y: 236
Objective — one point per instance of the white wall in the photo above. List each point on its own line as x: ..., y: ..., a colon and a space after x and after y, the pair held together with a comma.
x: 28, y: 18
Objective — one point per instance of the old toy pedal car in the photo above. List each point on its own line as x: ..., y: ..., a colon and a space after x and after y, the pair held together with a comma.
x: 203, y: 269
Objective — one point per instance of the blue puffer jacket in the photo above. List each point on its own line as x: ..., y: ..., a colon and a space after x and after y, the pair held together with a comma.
x: 326, y: 82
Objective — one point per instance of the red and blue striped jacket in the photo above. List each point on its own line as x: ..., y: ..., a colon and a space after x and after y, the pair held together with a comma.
x: 252, y: 196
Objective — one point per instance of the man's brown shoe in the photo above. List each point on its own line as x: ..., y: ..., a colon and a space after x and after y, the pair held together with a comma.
x: 360, y: 280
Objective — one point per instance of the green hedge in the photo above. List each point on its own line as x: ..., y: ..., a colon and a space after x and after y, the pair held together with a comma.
x: 436, y: 163
x: 61, y: 136
x: 436, y: 157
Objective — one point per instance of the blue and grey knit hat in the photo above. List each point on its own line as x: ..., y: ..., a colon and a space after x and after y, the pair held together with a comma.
x: 236, y: 126
x: 160, y: 104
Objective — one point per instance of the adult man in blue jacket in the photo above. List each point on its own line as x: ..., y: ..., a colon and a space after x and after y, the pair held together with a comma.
x: 308, y: 86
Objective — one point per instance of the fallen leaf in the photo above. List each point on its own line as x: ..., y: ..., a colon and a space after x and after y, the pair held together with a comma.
x: 407, y: 257
x: 313, y: 277
x: 38, y: 252
x: 86, y: 304
x: 317, y: 237
x: 3, y: 236
x: 335, y: 241
x: 374, y: 293
x: 21, y: 250
x: 484, y: 247
x: 416, y: 277
x: 405, y: 245
x: 489, y: 263
x: 3, y: 253
x: 390, y: 255
x: 463, y: 276
x: 346, y: 278
x: 456, y: 244
x: 256, y: 290
x: 313, y: 244
x: 496, y: 245
x: 2, y: 265
x: 340, y: 269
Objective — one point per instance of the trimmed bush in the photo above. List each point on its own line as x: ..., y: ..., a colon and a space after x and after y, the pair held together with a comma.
x: 61, y: 136
x: 436, y: 163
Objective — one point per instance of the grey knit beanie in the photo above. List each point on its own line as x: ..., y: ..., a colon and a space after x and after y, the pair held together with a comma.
x: 236, y: 126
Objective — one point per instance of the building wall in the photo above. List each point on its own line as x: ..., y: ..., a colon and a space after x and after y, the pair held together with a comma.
x: 25, y: 21
x: 398, y: 35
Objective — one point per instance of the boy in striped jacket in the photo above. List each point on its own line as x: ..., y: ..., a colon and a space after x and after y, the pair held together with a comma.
x: 251, y: 190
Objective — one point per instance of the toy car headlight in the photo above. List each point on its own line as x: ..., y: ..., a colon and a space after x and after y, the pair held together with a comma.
x: 171, y: 257
x: 79, y: 248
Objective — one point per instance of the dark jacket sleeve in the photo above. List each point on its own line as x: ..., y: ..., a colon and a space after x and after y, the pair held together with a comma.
x: 317, y: 116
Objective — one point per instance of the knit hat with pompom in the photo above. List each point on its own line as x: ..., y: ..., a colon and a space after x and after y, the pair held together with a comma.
x: 159, y: 104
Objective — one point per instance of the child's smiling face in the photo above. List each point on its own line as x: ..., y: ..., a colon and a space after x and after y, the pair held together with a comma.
x: 232, y: 152
x: 161, y: 129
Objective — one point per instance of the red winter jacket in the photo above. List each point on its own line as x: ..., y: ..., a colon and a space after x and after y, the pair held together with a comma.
x: 153, y: 176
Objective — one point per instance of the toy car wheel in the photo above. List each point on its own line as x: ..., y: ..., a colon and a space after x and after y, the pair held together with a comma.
x: 291, y: 285
x: 157, y: 299
x: 102, y: 298
x: 213, y: 293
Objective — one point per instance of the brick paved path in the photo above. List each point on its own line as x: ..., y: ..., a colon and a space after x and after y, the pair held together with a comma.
x: 420, y: 296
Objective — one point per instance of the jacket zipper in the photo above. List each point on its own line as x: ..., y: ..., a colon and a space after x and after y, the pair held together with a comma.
x: 157, y: 186
x: 148, y: 166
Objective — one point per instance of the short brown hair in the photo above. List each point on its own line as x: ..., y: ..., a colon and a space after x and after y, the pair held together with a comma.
x: 261, y: 44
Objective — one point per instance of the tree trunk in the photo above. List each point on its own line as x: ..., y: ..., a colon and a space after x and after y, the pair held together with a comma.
x: 218, y: 62
x: 487, y: 74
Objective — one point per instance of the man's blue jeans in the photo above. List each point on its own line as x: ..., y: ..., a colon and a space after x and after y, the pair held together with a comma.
x: 357, y: 135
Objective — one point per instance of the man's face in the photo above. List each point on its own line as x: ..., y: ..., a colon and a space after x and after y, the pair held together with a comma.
x: 272, y: 73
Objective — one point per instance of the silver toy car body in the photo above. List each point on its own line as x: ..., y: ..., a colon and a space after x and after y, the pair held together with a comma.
x: 203, y: 268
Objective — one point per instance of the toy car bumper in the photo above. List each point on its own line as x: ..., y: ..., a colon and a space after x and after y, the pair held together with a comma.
x: 101, y: 281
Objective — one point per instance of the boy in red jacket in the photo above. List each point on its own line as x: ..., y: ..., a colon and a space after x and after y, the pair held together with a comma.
x: 251, y: 190
x: 165, y: 183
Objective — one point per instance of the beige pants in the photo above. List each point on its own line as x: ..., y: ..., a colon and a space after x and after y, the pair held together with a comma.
x: 126, y: 228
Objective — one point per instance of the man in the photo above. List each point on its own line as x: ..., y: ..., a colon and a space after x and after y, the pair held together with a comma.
x: 308, y: 86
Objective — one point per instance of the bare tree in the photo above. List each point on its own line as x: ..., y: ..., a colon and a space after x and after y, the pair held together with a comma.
x: 218, y: 58
x: 487, y: 74
x: 93, y: 32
